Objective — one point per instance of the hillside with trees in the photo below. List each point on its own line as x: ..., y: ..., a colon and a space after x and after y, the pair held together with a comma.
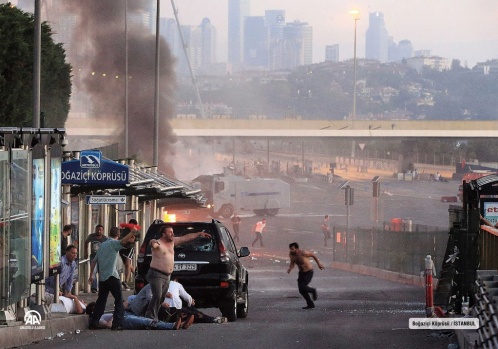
x: 325, y: 91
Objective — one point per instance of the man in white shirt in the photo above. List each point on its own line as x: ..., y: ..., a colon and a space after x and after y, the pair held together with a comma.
x: 176, y: 293
x: 258, y: 229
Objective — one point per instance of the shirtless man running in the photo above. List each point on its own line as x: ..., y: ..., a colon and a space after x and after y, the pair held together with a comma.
x: 162, y: 264
x: 301, y: 258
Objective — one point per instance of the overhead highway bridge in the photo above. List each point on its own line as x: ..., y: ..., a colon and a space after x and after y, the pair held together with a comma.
x: 333, y: 128
x: 81, y: 127
x: 82, y: 133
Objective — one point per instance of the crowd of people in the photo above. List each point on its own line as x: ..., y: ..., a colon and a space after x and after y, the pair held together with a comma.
x: 162, y: 304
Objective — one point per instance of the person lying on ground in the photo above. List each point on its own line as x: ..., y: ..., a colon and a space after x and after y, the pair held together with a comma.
x: 71, y: 303
x: 134, y: 322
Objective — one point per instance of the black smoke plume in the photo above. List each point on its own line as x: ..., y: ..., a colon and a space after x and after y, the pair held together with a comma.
x: 100, y: 49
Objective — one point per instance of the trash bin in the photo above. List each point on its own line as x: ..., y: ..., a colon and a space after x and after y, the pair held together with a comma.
x: 396, y: 224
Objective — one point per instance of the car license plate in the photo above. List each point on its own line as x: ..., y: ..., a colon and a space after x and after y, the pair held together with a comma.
x: 185, y: 266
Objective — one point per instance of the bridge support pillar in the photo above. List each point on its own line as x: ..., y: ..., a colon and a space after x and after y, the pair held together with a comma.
x: 406, y: 159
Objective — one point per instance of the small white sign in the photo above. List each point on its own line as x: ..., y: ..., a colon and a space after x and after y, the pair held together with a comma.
x: 105, y: 199
x: 462, y: 323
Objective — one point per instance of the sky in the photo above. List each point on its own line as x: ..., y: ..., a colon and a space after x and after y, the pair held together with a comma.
x: 455, y: 29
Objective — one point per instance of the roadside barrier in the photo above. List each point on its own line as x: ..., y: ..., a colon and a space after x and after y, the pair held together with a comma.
x: 429, y: 292
x: 485, y: 309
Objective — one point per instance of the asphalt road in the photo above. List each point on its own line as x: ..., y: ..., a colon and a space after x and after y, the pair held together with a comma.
x: 352, y: 311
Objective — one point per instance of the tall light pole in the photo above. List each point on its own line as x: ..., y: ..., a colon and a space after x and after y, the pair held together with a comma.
x: 356, y: 17
x: 37, y: 65
x: 155, y: 152
x: 126, y: 81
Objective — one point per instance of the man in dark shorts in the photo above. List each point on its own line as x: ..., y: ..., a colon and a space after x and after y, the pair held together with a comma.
x: 127, y: 257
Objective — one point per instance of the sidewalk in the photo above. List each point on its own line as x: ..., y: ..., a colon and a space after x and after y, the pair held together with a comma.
x: 58, y: 324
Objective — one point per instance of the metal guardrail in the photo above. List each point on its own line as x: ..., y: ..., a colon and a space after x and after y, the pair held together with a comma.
x: 485, y: 310
x: 486, y: 296
x: 383, y: 248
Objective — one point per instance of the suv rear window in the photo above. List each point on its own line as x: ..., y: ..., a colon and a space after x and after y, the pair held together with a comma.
x: 196, y: 245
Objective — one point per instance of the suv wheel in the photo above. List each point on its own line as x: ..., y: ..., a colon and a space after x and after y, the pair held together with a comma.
x: 243, y: 307
x: 229, y: 309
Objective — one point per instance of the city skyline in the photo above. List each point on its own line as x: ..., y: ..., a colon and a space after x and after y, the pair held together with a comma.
x: 469, y: 35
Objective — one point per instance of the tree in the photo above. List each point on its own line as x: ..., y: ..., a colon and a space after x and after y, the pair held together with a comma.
x: 16, y: 72
x: 455, y: 65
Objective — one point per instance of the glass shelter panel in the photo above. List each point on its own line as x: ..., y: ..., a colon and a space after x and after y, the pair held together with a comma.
x: 5, y: 271
x: 19, y: 225
x: 38, y: 219
x: 55, y: 213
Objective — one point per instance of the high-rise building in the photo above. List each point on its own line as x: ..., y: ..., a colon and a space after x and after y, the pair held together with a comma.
x: 377, y: 38
x: 255, y: 42
x: 200, y: 42
x: 238, y: 10
x: 298, y: 44
x: 405, y: 50
x: 332, y: 53
x: 208, y: 56
x: 169, y: 32
x: 402, y: 50
x: 192, y: 37
x: 275, y: 23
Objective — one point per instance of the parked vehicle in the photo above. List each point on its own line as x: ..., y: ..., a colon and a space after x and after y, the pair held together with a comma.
x: 209, y: 269
x: 227, y: 194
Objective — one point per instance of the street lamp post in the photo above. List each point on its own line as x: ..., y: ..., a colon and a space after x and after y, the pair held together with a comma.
x: 126, y: 81
x: 155, y: 153
x: 356, y: 17
x: 37, y: 65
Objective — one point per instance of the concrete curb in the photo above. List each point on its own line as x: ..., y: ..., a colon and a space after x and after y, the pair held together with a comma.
x: 14, y: 335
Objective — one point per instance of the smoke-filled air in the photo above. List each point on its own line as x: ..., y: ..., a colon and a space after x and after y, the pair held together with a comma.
x: 99, y: 46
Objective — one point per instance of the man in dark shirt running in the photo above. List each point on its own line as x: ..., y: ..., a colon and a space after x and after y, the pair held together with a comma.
x: 301, y: 258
